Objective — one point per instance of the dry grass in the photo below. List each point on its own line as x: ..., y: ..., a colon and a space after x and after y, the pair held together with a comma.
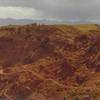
x: 50, y: 62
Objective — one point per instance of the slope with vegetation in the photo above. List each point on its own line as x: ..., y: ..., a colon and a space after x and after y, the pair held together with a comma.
x: 50, y: 62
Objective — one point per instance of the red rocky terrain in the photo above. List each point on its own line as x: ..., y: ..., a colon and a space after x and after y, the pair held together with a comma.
x: 50, y: 62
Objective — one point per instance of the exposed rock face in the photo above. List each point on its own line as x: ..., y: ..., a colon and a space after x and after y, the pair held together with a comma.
x: 49, y: 62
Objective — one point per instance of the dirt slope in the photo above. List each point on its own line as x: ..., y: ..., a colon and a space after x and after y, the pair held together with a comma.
x: 50, y: 62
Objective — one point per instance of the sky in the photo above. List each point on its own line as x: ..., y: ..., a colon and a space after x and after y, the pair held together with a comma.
x: 60, y: 10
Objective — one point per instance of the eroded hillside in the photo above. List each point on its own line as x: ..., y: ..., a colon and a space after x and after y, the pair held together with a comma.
x: 50, y: 62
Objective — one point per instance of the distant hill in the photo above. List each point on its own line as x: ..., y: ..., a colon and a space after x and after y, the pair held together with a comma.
x: 27, y: 21
x: 13, y: 21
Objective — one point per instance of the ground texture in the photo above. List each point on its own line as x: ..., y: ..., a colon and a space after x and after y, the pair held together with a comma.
x: 50, y: 62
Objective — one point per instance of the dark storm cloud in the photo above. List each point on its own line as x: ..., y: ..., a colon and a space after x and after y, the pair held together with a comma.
x: 60, y: 9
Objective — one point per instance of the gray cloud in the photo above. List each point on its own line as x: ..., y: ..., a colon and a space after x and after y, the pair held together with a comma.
x: 60, y: 9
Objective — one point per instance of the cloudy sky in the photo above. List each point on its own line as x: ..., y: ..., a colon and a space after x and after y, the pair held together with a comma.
x: 68, y: 10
